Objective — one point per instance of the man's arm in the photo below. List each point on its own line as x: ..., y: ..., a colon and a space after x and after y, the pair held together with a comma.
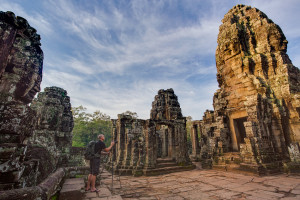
x: 109, y: 148
x: 104, y: 153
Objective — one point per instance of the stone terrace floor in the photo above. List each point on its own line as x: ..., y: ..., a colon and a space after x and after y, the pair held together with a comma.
x: 202, y: 184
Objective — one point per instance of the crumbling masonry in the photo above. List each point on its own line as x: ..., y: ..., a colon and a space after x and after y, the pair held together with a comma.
x: 255, y: 122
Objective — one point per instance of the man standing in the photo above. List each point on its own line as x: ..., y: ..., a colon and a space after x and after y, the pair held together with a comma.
x: 95, y: 163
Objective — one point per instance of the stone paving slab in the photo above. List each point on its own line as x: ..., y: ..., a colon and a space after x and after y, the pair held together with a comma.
x: 209, y: 184
x: 197, y: 185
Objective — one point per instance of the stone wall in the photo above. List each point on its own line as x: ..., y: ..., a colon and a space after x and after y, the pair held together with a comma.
x: 130, y: 151
x: 256, y: 109
x: 46, y: 189
x: 76, y: 157
x: 21, y: 64
x: 142, y: 142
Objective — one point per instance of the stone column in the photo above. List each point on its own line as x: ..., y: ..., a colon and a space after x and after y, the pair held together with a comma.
x: 165, y: 140
x: 195, y: 140
x: 114, y: 138
x: 171, y: 149
x: 150, y: 142
x: 128, y: 146
x: 121, y: 141
x: 134, y: 153
x: 181, y: 144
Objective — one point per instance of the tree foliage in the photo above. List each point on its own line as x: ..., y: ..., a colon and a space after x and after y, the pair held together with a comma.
x: 132, y: 114
x: 88, y: 126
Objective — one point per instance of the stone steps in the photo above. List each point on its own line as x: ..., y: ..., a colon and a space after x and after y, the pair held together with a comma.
x: 165, y: 166
x: 165, y: 160
x: 72, y: 189
x: 228, y: 158
x: 232, y: 161
x: 167, y: 170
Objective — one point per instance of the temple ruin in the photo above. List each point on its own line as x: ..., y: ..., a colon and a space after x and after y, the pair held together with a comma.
x: 254, y: 126
x: 255, y: 122
x: 145, y: 145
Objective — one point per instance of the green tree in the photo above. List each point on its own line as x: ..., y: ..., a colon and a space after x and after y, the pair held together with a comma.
x: 88, y: 126
x: 132, y: 114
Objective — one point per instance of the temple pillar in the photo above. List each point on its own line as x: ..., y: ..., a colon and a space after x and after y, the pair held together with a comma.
x: 195, y: 140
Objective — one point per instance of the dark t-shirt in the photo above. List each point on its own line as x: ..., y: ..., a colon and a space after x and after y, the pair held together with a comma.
x: 99, y: 146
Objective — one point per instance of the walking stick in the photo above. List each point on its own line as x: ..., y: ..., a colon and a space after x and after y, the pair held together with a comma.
x: 112, y: 174
x: 112, y: 170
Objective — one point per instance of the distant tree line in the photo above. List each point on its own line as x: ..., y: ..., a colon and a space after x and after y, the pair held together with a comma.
x: 88, y: 126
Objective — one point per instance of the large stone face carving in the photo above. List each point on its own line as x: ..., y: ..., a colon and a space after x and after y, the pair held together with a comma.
x: 141, y: 143
x: 256, y: 109
x: 21, y: 60
x: 52, y: 139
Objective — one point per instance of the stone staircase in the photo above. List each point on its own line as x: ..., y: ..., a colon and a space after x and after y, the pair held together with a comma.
x: 228, y: 161
x: 232, y: 161
x: 165, y: 166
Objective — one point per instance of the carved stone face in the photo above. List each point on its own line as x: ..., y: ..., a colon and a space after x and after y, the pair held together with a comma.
x: 277, y: 40
x: 23, y: 73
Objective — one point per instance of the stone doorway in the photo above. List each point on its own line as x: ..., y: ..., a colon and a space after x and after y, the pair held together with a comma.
x: 240, y: 130
x: 237, y: 129
x: 165, y: 141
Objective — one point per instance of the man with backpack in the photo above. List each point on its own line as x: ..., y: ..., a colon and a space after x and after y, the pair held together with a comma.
x: 95, y: 161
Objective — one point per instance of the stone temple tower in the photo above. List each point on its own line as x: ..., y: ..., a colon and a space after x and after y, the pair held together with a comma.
x: 144, y: 145
x: 257, y: 108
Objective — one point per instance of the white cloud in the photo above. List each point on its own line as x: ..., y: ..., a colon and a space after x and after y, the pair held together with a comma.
x: 60, y: 79
x: 283, y: 13
x: 114, y: 56
x: 34, y: 19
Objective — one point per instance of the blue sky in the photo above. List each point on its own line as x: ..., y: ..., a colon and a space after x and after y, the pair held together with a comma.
x: 114, y: 56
